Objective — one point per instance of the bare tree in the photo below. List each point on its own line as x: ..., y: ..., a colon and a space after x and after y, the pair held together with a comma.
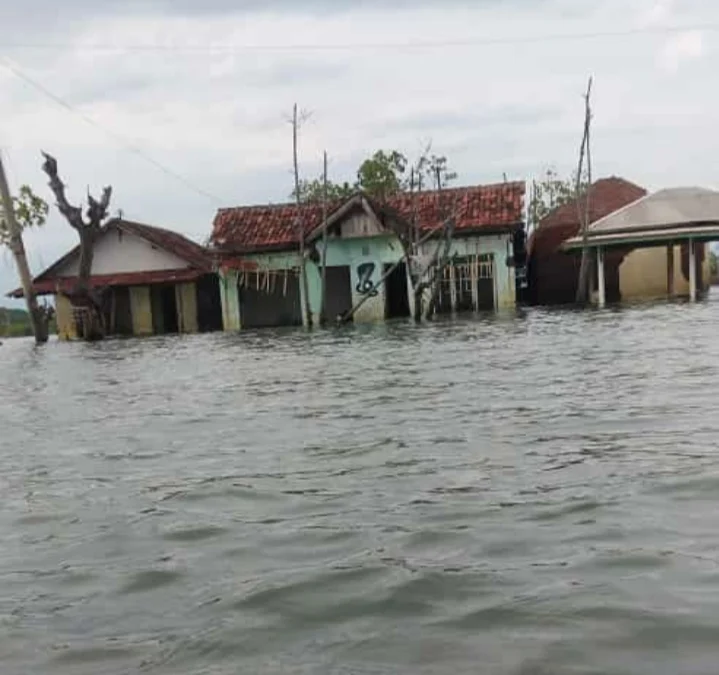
x: 82, y: 296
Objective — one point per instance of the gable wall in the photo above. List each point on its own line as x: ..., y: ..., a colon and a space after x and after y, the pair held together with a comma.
x: 118, y: 252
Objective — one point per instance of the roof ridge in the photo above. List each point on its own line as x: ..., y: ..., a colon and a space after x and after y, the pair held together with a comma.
x: 454, y: 188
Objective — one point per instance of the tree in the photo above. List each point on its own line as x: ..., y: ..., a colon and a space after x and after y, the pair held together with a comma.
x: 382, y: 175
x: 11, y: 227
x: 82, y: 297
x: 30, y: 211
x: 550, y: 193
x: 312, y: 191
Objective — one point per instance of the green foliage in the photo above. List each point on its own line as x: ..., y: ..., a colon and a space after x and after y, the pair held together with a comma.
x: 312, y: 191
x: 713, y: 264
x: 382, y: 175
x: 550, y: 193
x: 30, y: 211
x: 16, y: 323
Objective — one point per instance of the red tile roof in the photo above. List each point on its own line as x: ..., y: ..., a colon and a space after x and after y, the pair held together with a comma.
x: 605, y: 196
x: 552, y: 273
x: 66, y: 284
x: 253, y: 228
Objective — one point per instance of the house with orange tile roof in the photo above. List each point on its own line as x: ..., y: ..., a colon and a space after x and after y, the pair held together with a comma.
x: 257, y: 250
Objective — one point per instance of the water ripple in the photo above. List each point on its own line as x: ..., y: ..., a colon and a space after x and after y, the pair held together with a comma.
x: 526, y: 494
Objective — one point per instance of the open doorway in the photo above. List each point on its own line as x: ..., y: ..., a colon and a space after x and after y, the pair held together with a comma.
x: 164, y: 309
x: 396, y: 295
x: 339, y: 291
x: 209, y: 304
x: 121, y: 321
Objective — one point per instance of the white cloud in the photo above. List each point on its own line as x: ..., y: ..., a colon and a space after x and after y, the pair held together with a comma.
x: 683, y: 47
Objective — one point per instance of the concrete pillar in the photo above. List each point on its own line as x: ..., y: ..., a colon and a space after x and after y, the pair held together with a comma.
x: 692, y: 271
x: 670, y: 270
x: 229, y: 294
x: 186, y: 301
x: 141, y: 308
x: 601, y: 287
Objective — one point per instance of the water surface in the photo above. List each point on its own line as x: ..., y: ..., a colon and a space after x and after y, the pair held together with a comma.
x: 523, y: 494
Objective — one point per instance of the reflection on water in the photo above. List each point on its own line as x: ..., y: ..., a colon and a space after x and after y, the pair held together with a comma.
x: 521, y: 494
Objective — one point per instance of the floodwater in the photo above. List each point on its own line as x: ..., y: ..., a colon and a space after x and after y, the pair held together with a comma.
x: 531, y: 494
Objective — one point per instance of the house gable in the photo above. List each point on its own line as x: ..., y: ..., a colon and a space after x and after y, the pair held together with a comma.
x: 120, y: 252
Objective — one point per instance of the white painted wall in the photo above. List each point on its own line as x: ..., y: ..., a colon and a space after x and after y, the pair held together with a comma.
x: 118, y: 252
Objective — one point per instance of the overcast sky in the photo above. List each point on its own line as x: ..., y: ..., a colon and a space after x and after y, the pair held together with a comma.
x: 205, y: 88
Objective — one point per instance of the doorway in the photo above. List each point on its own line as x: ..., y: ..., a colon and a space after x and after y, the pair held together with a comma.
x: 396, y: 295
x: 209, y: 304
x: 338, y: 292
x: 164, y: 309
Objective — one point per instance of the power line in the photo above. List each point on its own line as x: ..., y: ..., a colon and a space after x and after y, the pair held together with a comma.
x: 117, y: 137
x: 409, y: 45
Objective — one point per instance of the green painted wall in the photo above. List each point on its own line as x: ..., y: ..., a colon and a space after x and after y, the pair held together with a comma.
x: 500, y: 247
x: 371, y: 254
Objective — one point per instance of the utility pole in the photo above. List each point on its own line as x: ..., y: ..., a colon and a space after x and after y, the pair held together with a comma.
x: 323, y: 307
x: 37, y: 318
x: 584, y: 215
x: 300, y: 224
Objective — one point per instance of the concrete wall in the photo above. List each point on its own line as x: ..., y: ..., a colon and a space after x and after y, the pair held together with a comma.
x: 500, y: 247
x: 141, y: 308
x: 366, y: 258
x: 186, y: 298
x: 117, y: 252
x: 643, y: 273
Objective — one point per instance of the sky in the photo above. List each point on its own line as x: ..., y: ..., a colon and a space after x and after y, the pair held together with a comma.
x: 183, y: 106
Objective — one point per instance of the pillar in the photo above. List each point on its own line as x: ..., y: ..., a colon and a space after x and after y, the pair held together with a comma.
x: 670, y: 270
x: 601, y: 286
x: 230, y: 297
x: 692, y: 271
x: 141, y: 309
x: 186, y: 301
x: 64, y: 318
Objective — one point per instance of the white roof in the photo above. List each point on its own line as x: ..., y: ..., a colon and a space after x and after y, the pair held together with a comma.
x: 687, y: 211
x: 666, y: 208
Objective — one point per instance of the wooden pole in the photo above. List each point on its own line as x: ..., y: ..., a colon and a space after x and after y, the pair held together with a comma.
x: 300, y: 224
x: 323, y: 306
x: 39, y: 323
x: 584, y: 216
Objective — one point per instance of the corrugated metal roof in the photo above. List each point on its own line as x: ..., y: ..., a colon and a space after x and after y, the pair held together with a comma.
x: 267, y: 227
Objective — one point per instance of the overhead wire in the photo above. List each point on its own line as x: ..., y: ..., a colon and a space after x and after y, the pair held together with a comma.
x: 121, y: 140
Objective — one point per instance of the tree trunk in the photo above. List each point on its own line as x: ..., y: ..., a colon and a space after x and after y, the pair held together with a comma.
x: 37, y: 316
x: 85, y: 301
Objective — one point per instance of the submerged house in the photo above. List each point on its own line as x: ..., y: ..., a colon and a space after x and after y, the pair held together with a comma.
x: 630, y: 273
x: 151, y: 280
x: 257, y: 248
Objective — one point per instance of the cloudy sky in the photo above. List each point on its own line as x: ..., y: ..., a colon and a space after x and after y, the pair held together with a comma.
x: 182, y: 105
